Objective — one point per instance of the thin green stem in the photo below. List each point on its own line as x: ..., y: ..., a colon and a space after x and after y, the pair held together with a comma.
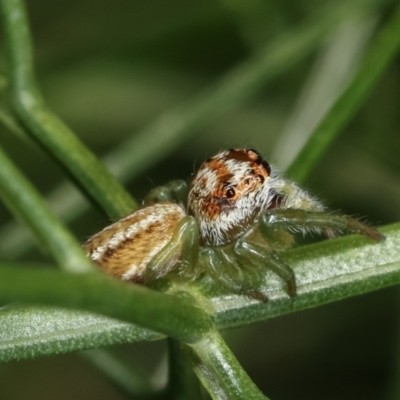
x: 331, y: 71
x: 227, y: 374
x: 377, y: 60
x: 207, y: 377
x: 133, y: 382
x: 27, y: 204
x: 182, y: 382
x: 47, y: 128
x: 11, y: 124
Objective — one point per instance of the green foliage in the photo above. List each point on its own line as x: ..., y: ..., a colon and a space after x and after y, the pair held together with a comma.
x: 51, y: 312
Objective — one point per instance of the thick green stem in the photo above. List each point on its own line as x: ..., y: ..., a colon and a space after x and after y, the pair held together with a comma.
x: 326, y: 272
x: 47, y: 128
x: 174, y: 316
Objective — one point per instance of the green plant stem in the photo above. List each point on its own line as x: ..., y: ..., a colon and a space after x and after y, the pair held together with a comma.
x: 29, y: 332
x: 48, y: 129
x: 11, y: 124
x: 182, y: 381
x: 220, y: 371
x: 174, y: 316
x: 377, y: 59
x: 27, y: 204
x: 326, y: 272
x: 330, y: 73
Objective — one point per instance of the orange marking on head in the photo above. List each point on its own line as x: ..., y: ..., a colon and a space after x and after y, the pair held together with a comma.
x: 235, y: 173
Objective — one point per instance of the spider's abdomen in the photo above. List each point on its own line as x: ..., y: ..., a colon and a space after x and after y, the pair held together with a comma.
x: 124, y: 248
x: 228, y: 193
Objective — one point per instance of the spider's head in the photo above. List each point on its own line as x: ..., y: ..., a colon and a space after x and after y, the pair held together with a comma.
x: 228, y: 193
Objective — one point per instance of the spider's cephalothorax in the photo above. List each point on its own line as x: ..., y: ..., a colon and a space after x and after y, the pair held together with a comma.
x: 228, y: 193
x: 240, y: 217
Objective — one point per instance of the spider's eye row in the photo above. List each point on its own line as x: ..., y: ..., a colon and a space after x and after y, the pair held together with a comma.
x: 255, y: 178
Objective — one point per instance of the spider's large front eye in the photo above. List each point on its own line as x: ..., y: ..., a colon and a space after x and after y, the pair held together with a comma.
x: 230, y: 192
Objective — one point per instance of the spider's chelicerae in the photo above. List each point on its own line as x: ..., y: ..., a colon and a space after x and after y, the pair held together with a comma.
x: 232, y: 222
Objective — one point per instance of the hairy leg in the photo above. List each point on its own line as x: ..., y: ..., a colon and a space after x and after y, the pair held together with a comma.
x: 222, y: 266
x: 314, y: 221
x: 175, y: 191
x: 262, y: 257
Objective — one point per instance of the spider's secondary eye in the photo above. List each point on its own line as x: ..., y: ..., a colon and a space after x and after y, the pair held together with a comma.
x: 230, y: 193
x: 266, y: 166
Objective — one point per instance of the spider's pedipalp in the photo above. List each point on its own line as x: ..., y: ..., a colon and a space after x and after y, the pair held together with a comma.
x: 189, y: 238
x: 222, y: 265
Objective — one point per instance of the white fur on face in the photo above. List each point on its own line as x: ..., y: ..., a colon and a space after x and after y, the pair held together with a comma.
x: 222, y: 219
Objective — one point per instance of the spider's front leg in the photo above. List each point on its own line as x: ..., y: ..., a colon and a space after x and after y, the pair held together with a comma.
x: 274, y: 223
x: 261, y: 256
x: 305, y: 221
x: 222, y: 265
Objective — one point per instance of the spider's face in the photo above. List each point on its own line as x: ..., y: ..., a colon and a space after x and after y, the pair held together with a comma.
x: 228, y: 193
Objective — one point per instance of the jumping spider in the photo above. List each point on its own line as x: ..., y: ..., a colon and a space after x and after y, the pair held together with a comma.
x: 232, y: 222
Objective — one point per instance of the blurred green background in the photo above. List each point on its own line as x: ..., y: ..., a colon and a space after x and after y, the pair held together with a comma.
x: 110, y: 68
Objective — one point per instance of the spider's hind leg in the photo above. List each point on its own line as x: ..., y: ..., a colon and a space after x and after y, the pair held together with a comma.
x: 261, y: 257
x: 175, y: 191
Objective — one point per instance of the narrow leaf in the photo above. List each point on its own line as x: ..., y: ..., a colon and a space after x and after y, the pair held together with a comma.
x: 377, y: 60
